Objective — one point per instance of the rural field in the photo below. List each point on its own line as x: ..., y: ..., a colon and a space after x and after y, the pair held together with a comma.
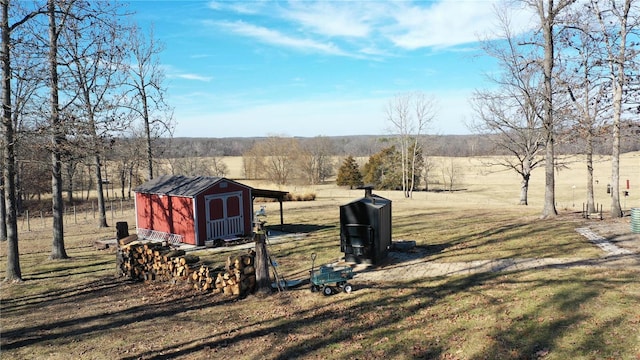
x: 579, y: 302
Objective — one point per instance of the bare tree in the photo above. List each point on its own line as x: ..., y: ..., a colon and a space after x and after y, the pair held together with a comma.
x: 452, y: 173
x: 278, y: 157
x: 409, y: 115
x: 56, y: 125
x: 94, y: 59
x: 619, y: 24
x: 315, y: 159
x: 252, y: 163
x: 549, y: 14
x: 510, y: 116
x: 146, y: 91
x: 586, y: 86
x: 13, y: 271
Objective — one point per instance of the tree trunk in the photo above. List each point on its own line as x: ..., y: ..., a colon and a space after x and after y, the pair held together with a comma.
x: 616, y: 209
x: 591, y: 206
x: 102, y: 213
x: 123, y: 179
x: 3, y: 209
x: 130, y: 182
x: 13, y: 272
x: 549, y: 209
x: 69, y: 185
x: 147, y: 130
x: 263, y: 281
x: 58, y: 250
x: 524, y: 189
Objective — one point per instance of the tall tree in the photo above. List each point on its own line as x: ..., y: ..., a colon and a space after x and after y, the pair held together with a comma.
x: 58, y: 13
x: 586, y: 85
x: 619, y: 25
x: 315, y: 159
x: 13, y: 271
x: 93, y: 53
x: 409, y: 115
x: 549, y: 13
x: 510, y: 115
x: 383, y: 169
x: 349, y: 173
x: 146, y: 91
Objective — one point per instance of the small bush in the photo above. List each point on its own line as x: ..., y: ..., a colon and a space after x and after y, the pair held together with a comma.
x: 291, y: 197
x: 300, y: 197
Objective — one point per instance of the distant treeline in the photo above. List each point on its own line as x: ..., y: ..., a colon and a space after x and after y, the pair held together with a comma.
x: 367, y: 145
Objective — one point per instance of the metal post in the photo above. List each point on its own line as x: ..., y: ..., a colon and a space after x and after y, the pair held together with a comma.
x: 75, y: 215
x: 28, y: 221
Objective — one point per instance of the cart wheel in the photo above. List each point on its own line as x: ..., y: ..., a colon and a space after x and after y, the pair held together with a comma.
x: 327, y: 291
x: 347, y: 288
x: 314, y: 288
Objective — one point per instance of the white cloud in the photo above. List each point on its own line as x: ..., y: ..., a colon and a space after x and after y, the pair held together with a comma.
x: 332, y: 18
x: 193, y: 77
x: 407, y: 25
x: 278, y: 38
x: 443, y: 24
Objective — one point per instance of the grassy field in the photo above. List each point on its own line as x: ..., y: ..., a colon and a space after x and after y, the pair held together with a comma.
x: 77, y: 309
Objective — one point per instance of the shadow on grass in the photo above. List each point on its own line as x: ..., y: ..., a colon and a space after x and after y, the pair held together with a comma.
x: 533, y: 337
x: 535, y: 330
x: 106, y: 321
x: 299, y: 228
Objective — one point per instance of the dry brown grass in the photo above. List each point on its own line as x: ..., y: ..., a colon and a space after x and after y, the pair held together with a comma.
x: 77, y: 309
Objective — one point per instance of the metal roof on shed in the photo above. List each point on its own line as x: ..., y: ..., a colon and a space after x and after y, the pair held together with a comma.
x: 179, y: 185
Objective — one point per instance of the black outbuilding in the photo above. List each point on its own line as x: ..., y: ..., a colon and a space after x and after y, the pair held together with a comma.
x: 365, y: 229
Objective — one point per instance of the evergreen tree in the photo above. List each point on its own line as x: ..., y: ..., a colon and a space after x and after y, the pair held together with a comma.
x: 349, y: 173
x: 383, y: 169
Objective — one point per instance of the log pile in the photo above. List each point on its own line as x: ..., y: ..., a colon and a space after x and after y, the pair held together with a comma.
x: 239, y: 277
x: 151, y: 261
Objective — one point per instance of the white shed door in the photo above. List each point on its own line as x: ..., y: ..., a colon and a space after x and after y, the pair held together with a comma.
x: 224, y: 215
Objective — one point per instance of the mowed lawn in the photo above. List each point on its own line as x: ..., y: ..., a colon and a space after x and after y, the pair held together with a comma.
x: 77, y: 309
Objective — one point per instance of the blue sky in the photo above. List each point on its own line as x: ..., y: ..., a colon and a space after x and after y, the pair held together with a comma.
x: 308, y: 68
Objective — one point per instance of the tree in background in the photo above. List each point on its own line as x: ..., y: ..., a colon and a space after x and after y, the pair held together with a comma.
x: 383, y: 170
x: 252, y: 163
x: 93, y: 52
x: 274, y: 158
x: 587, y: 88
x: 509, y: 115
x: 619, y: 28
x: 409, y: 115
x: 192, y: 163
x: 550, y: 16
x: 146, y: 92
x: 452, y: 173
x: 315, y: 160
x: 349, y: 173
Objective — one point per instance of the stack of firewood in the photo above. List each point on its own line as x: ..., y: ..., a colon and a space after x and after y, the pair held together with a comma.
x: 239, y: 277
x: 147, y: 261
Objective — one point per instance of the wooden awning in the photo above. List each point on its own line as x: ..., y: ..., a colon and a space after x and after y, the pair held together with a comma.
x: 270, y: 194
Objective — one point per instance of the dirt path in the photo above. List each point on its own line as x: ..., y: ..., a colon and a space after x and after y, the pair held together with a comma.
x: 413, y: 264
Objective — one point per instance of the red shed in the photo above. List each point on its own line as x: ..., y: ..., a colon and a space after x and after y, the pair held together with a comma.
x: 193, y: 210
